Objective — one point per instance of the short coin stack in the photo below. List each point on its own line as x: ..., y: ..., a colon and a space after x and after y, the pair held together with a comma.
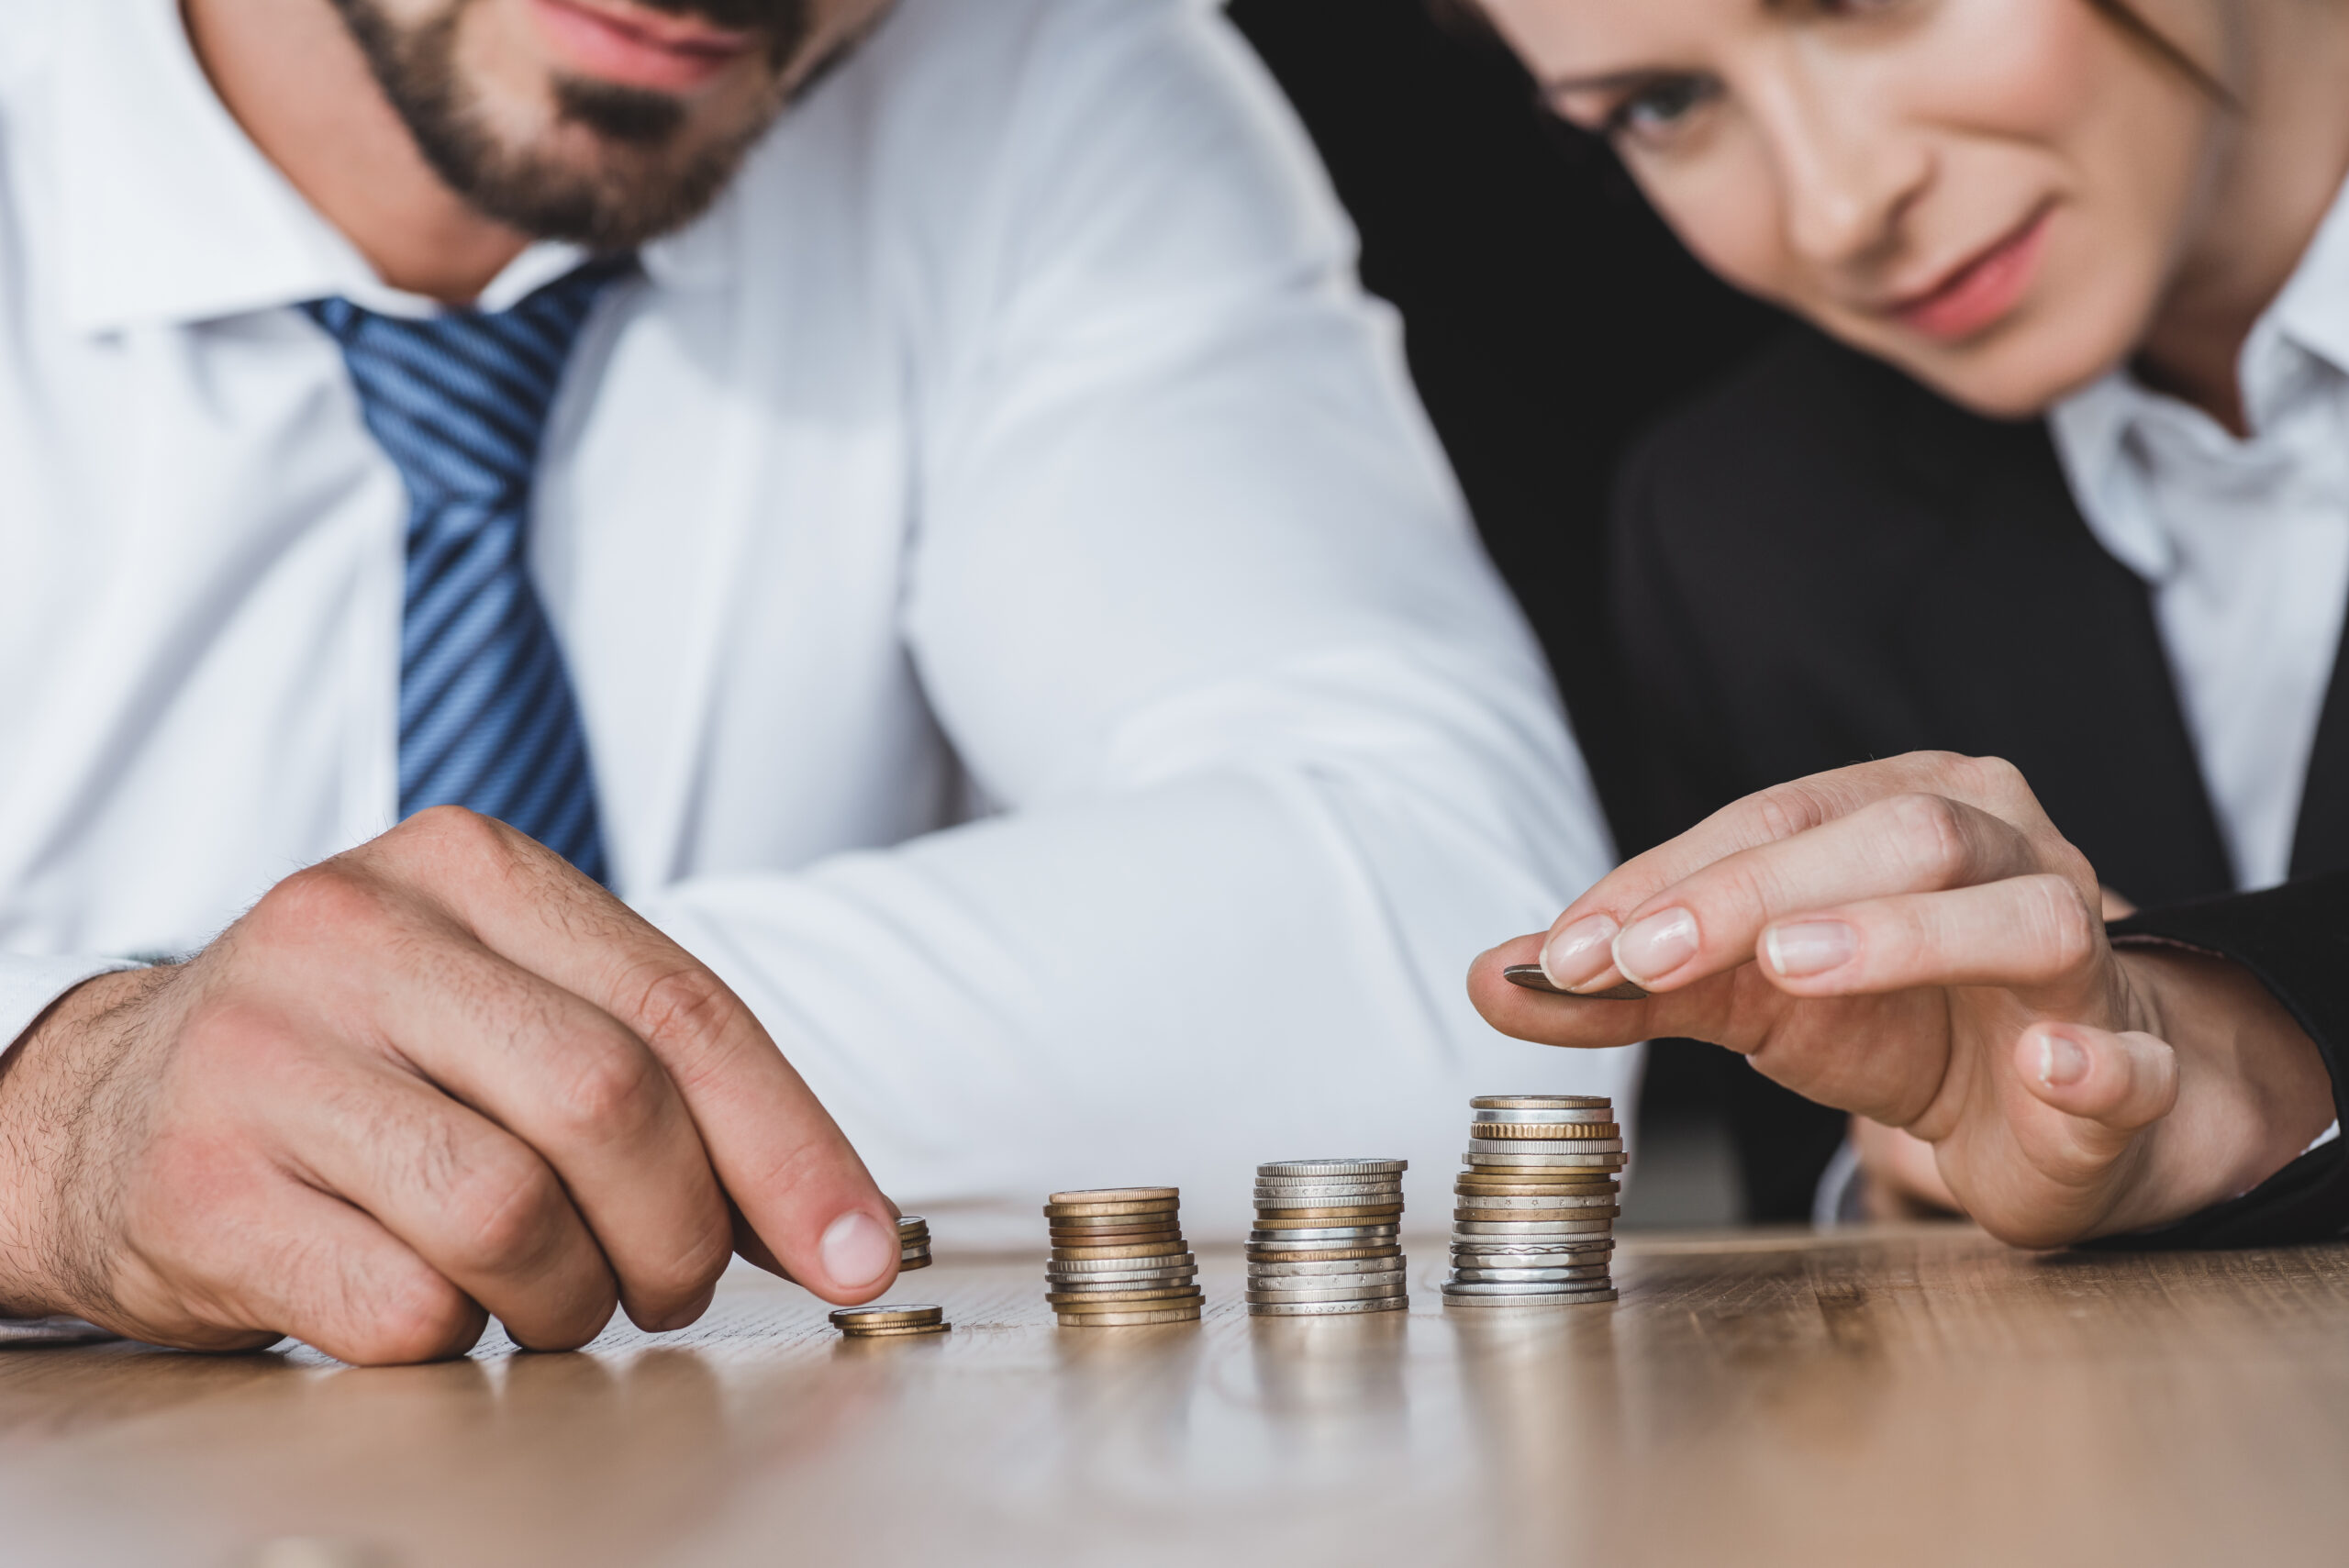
x: 1327, y: 1239
x: 913, y: 1242
x: 1534, y: 1222
x: 890, y: 1322
x: 1119, y: 1260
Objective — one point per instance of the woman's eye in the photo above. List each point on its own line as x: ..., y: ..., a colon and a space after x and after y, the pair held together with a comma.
x: 1659, y: 106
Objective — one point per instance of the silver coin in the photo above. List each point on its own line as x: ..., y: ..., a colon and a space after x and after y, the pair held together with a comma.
x: 1553, y: 1258
x: 1486, y: 1163
x: 1326, y: 1282
x: 1328, y: 1290
x: 1375, y: 1245
x: 1544, y: 1145
x: 1506, y: 1228
x: 1551, y: 1244
x: 1536, y: 1200
x: 1337, y: 1269
x: 1596, y: 1117
x: 1326, y: 1308
x: 1267, y: 1195
x: 1112, y: 1266
x: 1119, y: 1281
x: 1542, y: 1103
x: 1333, y: 1168
x: 1527, y: 1276
x: 1505, y: 1288
x: 1453, y: 1297
x: 1323, y: 1233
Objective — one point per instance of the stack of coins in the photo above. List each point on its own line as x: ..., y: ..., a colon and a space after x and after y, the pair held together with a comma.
x: 890, y: 1322
x: 1118, y: 1259
x: 1534, y: 1222
x: 913, y: 1242
x: 1327, y: 1239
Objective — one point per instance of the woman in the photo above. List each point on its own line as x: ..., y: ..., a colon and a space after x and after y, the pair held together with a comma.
x: 2062, y: 477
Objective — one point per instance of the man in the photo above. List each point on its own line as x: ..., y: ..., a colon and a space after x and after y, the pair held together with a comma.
x: 470, y: 412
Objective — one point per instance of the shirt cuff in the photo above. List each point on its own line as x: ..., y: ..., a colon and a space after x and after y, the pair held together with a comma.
x: 29, y: 985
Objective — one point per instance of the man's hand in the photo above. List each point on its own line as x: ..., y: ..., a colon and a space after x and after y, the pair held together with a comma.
x: 1913, y: 942
x: 441, y: 1076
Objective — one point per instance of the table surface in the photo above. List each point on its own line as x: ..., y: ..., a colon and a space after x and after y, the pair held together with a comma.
x: 1918, y: 1394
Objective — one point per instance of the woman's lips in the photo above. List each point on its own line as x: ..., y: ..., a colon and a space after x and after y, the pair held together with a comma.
x: 630, y: 47
x: 1981, y: 291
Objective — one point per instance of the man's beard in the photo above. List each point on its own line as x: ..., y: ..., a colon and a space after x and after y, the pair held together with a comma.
x: 613, y: 203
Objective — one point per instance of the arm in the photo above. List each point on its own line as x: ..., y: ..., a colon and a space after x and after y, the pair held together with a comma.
x: 1912, y: 941
x: 1199, y: 610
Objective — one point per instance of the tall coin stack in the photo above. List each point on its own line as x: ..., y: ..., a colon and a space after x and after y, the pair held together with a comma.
x: 1118, y: 1259
x: 1534, y: 1222
x: 1328, y: 1239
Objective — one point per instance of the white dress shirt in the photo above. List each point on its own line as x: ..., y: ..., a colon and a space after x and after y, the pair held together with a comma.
x: 1027, y: 637
x: 2244, y: 541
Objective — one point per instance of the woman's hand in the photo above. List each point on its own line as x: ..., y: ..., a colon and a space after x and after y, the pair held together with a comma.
x: 1913, y: 942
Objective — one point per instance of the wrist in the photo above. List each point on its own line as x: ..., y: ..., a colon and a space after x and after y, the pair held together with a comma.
x: 2253, y: 1090
x: 39, y: 1123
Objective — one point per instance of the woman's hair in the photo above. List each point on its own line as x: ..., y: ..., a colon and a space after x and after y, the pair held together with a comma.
x: 1467, y: 15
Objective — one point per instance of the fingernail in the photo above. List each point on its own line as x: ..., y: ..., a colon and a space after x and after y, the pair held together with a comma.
x: 856, y: 1250
x: 1810, y: 947
x: 1580, y: 953
x: 2062, y: 1060
x: 1654, y: 948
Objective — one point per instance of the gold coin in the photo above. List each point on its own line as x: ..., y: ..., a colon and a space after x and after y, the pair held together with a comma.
x: 906, y: 1265
x: 1129, y: 1319
x: 1118, y: 1238
x: 1118, y: 1195
x: 1146, y: 1223
x: 1139, y: 1250
x: 1091, y: 1301
x: 1110, y: 1213
x: 849, y: 1318
x: 913, y: 1331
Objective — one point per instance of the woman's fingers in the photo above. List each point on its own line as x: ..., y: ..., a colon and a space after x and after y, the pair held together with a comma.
x: 2022, y: 931
x: 1710, y: 921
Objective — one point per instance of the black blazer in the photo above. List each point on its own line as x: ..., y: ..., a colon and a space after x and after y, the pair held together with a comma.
x: 1823, y: 562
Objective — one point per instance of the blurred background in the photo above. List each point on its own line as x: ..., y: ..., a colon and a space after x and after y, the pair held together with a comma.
x: 1493, y: 229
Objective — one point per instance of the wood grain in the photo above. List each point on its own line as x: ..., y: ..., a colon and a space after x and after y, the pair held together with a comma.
x: 1911, y: 1395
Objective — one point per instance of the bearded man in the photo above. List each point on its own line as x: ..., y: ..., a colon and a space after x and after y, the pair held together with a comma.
x: 598, y: 591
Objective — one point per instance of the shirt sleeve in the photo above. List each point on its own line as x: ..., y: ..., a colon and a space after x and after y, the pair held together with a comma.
x: 29, y: 986
x: 2294, y: 940
x: 1270, y: 754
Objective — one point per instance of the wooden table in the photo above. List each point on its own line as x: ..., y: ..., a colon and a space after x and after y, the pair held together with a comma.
x: 1889, y: 1397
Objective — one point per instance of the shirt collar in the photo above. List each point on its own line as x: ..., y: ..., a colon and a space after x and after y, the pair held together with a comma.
x: 2304, y: 331
x: 170, y: 214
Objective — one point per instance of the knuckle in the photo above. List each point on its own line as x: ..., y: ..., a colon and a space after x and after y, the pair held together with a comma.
x: 609, y: 1090
x: 503, y: 1211
x: 328, y: 900
x: 422, y: 1318
x: 2066, y: 930
x: 452, y: 837
x: 682, y: 1003
x: 1931, y: 833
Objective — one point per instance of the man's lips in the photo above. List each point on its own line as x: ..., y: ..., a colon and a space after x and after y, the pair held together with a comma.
x: 1978, y: 291
x: 610, y: 40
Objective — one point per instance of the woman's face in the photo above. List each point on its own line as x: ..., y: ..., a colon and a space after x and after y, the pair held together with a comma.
x: 1990, y: 193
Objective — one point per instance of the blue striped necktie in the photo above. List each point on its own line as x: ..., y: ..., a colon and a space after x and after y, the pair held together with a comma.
x: 459, y: 402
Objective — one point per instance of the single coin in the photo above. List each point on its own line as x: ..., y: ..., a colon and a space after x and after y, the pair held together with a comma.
x: 1542, y: 1103
x: 1166, y: 1284
x: 1118, y: 1300
x: 1576, y: 1279
x: 1115, y: 1214
x: 1545, y: 1147
x: 1112, y: 1237
x: 1333, y: 1168
x: 1138, y: 1249
x: 1327, y: 1308
x: 1470, y: 1288
x: 1333, y: 1254
x: 890, y: 1317
x: 1597, y: 1192
x: 1604, y: 1217
x: 1169, y: 1220
x: 1337, y: 1270
x: 1301, y: 1194
x: 1539, y: 1203
x: 1312, y: 1218
x: 1372, y: 1179
x: 1588, y: 1116
x: 1328, y: 1292
x: 1531, y: 977
x: 1512, y: 1230
x: 1115, y: 1265
x: 1118, y: 1205
x: 911, y: 1222
x: 1542, y: 1162
x: 906, y: 1265
x: 1325, y: 1233
x: 1564, y: 1298
x: 1168, y: 1278
x: 1546, y: 1131
x: 1129, y: 1319
x: 1098, y: 1235
x: 1117, y: 1195
x: 1132, y: 1269
x: 1488, y: 1247
x: 1322, y: 1287
x: 913, y: 1331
